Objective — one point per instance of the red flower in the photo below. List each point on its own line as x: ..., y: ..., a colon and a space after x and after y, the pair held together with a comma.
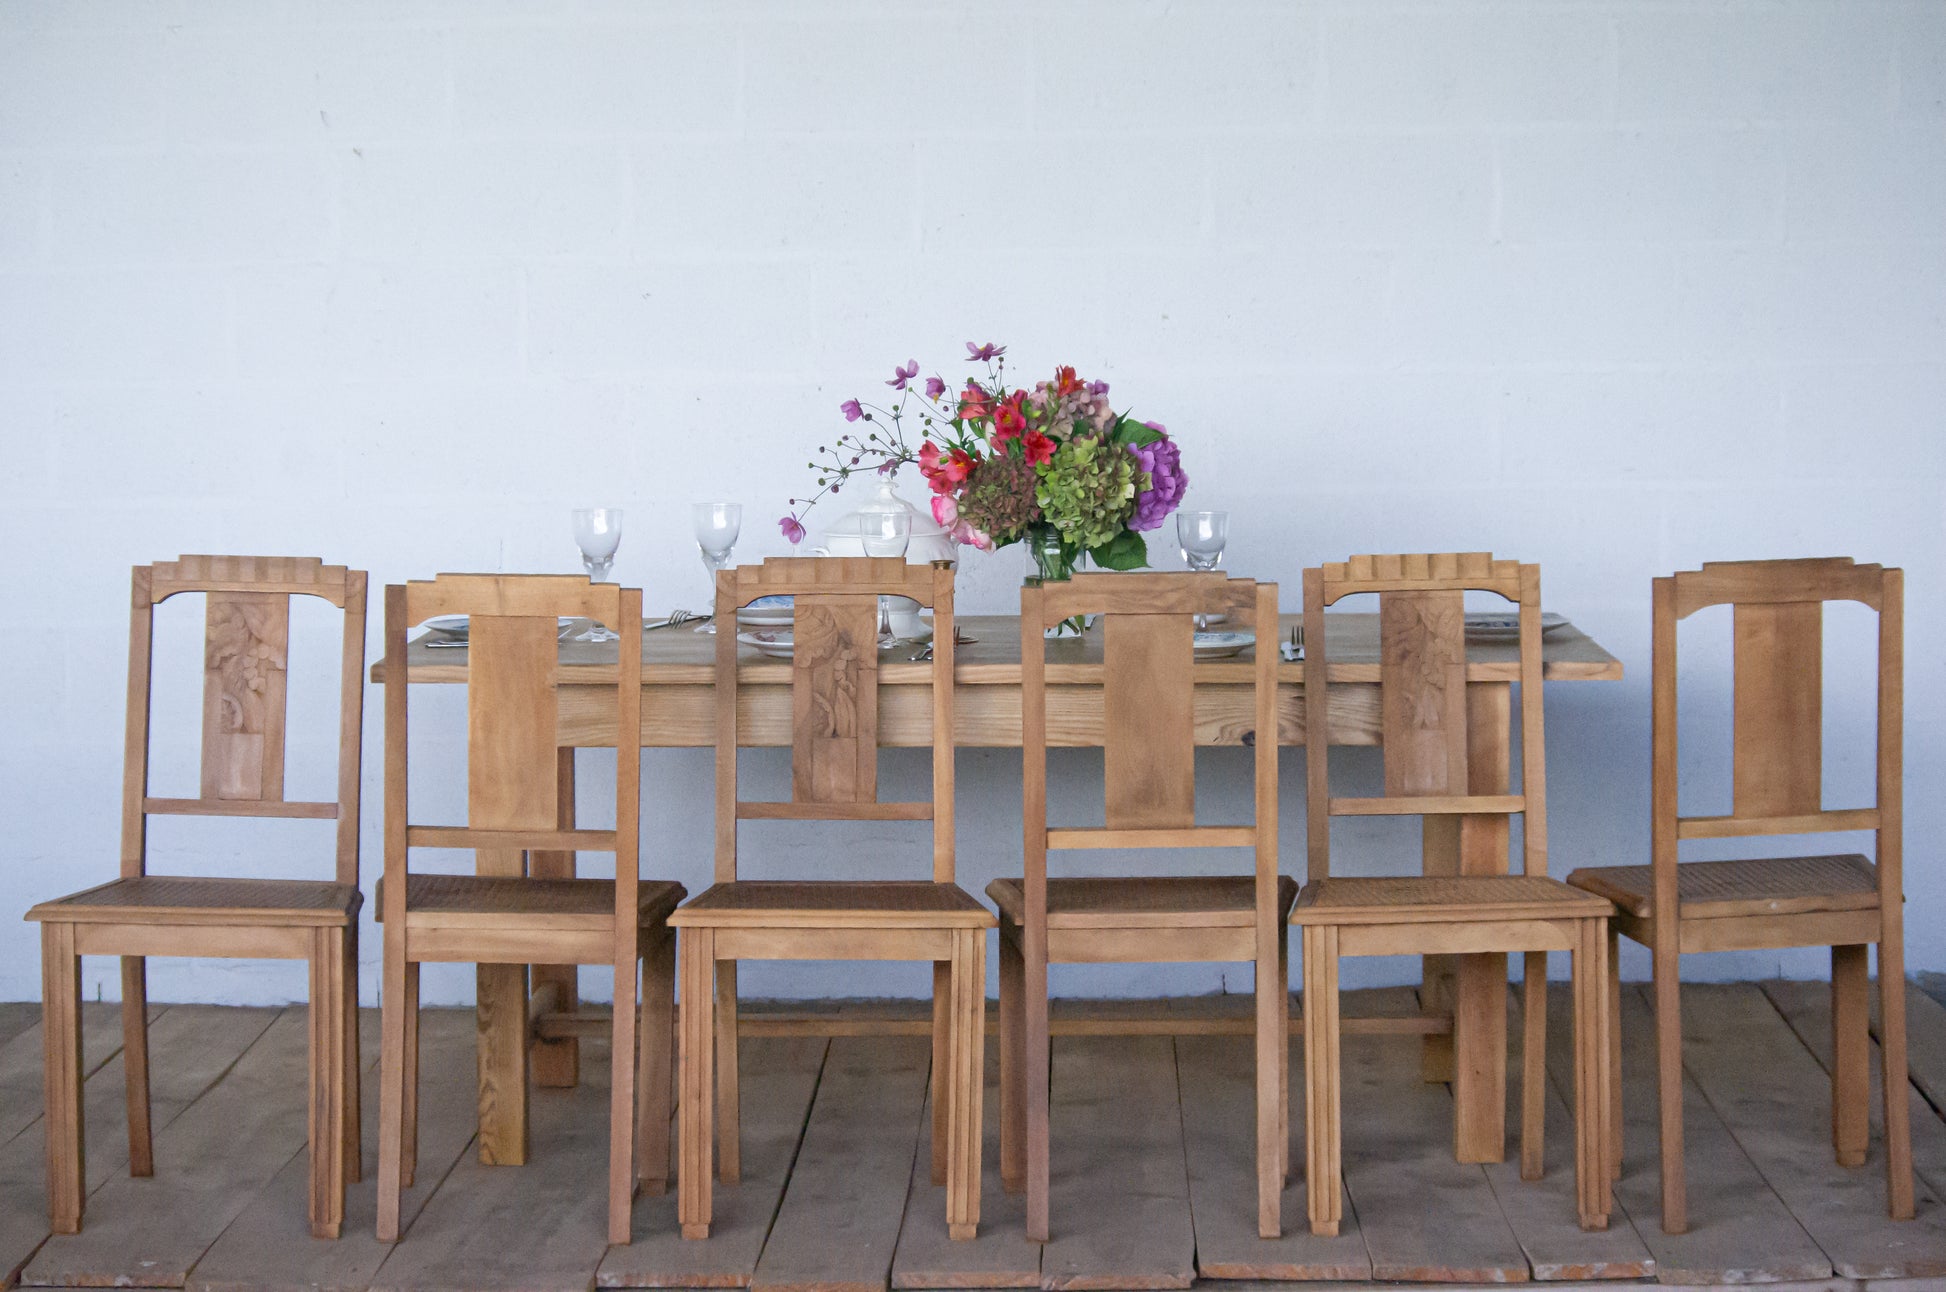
x: 945, y: 472
x: 974, y: 403
x: 1065, y: 382
x: 1008, y: 420
x: 1039, y: 448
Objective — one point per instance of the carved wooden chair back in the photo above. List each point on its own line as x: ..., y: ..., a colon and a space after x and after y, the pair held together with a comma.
x: 511, y: 674
x: 1778, y: 706
x: 835, y: 666
x: 1422, y: 676
x: 246, y: 644
x: 1147, y: 627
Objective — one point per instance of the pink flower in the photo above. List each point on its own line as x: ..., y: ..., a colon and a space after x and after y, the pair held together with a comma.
x: 984, y: 353
x: 851, y: 410
x: 793, y: 531
x: 934, y: 388
x: 945, y: 510
x: 901, y: 375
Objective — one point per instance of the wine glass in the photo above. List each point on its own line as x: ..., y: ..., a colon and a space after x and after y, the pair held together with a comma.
x: 1201, y: 535
x: 885, y: 533
x: 717, y: 525
x: 598, y: 532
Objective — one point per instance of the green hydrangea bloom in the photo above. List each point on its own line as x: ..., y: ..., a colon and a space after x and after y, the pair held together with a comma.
x: 1087, y: 490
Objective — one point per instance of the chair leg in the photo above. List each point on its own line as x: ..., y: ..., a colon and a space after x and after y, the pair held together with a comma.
x: 1322, y: 1147
x: 621, y: 1090
x: 1668, y: 1062
x: 1533, y: 1066
x: 326, y: 1129
x: 1284, y: 1055
x: 1013, y: 1109
x: 1898, y: 1093
x: 943, y: 1006
x: 395, y: 1011
x: 1037, y: 1064
x: 1614, y: 1053
x: 351, y: 1087
x: 695, y: 1112
x: 61, y: 1052
x: 135, y: 1064
x: 729, y: 1120
x: 1591, y: 1073
x: 1272, y: 1008
x: 655, y: 1046
x: 1851, y: 1048
x: 966, y: 1047
x: 409, y: 1147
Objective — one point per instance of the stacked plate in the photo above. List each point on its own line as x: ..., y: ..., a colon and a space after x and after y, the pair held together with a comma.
x: 1500, y: 626
x: 454, y: 630
x: 767, y: 612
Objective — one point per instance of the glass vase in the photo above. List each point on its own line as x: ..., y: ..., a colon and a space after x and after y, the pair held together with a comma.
x: 1055, y: 561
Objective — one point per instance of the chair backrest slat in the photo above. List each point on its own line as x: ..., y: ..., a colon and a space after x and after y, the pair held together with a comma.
x: 246, y: 649
x: 834, y: 700
x: 1148, y: 721
x: 1422, y: 691
x: 511, y: 665
x: 835, y: 695
x: 1778, y: 707
x: 1425, y: 707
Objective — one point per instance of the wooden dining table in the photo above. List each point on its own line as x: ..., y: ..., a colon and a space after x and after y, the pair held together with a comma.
x: 1463, y: 998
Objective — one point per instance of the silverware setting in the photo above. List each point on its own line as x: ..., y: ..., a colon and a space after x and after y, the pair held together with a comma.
x: 676, y: 619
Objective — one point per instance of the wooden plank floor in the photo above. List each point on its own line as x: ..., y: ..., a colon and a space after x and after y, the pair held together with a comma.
x: 1153, y: 1184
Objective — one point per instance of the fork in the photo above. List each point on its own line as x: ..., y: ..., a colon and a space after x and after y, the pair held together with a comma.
x: 675, y: 619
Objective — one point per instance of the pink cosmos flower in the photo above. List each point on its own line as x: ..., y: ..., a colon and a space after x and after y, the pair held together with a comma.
x: 983, y: 353
x: 934, y: 388
x: 793, y: 531
x: 901, y: 375
x: 851, y: 410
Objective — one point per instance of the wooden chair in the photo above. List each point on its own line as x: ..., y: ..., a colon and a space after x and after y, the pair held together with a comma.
x: 1149, y: 765
x: 1423, y: 728
x: 245, y: 658
x: 835, y: 690
x: 1844, y: 902
x: 511, y: 660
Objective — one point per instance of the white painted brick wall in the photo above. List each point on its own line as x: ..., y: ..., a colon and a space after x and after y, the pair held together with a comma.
x: 1615, y: 285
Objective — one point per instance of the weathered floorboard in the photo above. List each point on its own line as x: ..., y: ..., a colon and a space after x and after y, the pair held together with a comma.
x: 187, y: 1055
x: 1219, y: 1124
x: 16, y: 1016
x: 1000, y: 1255
x: 1806, y: 1006
x: 209, y: 1163
x: 1739, y: 1232
x: 1543, y: 1213
x: 1118, y: 1195
x: 21, y: 1058
x: 1400, y: 1172
x: 1776, y: 1100
x: 780, y: 1075
x: 538, y: 1227
x: 839, y: 1223
x: 1925, y: 1025
x: 269, y: 1248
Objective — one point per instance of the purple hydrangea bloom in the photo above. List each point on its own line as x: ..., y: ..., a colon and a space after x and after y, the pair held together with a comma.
x: 1163, y: 461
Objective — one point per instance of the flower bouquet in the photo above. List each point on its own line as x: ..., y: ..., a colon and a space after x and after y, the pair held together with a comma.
x: 1055, y: 467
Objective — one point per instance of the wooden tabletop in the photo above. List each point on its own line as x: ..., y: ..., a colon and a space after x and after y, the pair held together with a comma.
x: 681, y: 656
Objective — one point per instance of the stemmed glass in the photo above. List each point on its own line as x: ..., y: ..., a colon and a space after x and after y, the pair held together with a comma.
x: 885, y: 533
x: 598, y: 532
x: 1201, y: 535
x: 717, y: 525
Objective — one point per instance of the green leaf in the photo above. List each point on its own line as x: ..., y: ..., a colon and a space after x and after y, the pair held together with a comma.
x: 1131, y: 432
x: 1126, y: 551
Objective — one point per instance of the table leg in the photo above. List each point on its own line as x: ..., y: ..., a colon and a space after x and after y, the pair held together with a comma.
x: 558, y: 1062
x: 1477, y: 995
